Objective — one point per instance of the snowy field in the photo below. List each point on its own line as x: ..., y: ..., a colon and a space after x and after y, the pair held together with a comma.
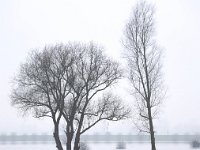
x: 99, y: 146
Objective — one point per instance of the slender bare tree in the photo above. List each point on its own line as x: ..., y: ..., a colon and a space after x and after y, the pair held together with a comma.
x: 144, y: 63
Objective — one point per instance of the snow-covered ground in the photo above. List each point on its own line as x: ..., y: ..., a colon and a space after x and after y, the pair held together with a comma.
x: 99, y: 146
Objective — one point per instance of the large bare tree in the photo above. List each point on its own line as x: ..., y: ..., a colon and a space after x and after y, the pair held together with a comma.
x: 94, y: 74
x: 67, y: 81
x: 42, y: 83
x: 144, y: 63
x: 97, y: 73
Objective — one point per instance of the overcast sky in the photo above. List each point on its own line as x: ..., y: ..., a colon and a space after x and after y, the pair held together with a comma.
x: 30, y: 24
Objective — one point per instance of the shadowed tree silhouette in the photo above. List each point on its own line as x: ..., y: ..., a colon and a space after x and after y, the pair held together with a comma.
x: 69, y: 81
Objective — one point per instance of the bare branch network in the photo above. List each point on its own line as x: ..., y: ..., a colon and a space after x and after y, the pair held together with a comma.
x: 145, y: 67
x: 69, y: 83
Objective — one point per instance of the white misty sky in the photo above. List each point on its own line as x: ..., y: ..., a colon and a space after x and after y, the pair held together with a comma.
x: 30, y: 24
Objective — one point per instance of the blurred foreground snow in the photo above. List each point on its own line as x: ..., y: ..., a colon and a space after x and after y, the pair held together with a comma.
x: 100, y: 146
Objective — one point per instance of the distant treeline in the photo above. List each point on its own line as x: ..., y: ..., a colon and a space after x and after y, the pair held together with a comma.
x: 45, y: 139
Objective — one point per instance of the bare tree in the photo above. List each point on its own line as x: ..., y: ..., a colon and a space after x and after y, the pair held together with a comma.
x: 42, y: 84
x: 94, y: 74
x: 144, y: 62
x: 67, y: 81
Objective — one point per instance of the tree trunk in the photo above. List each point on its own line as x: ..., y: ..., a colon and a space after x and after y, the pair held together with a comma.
x: 57, y: 138
x: 77, y: 142
x: 153, y: 145
x: 68, y: 145
x: 69, y: 135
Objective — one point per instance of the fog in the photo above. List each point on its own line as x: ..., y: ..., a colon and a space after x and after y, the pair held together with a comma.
x: 26, y: 25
